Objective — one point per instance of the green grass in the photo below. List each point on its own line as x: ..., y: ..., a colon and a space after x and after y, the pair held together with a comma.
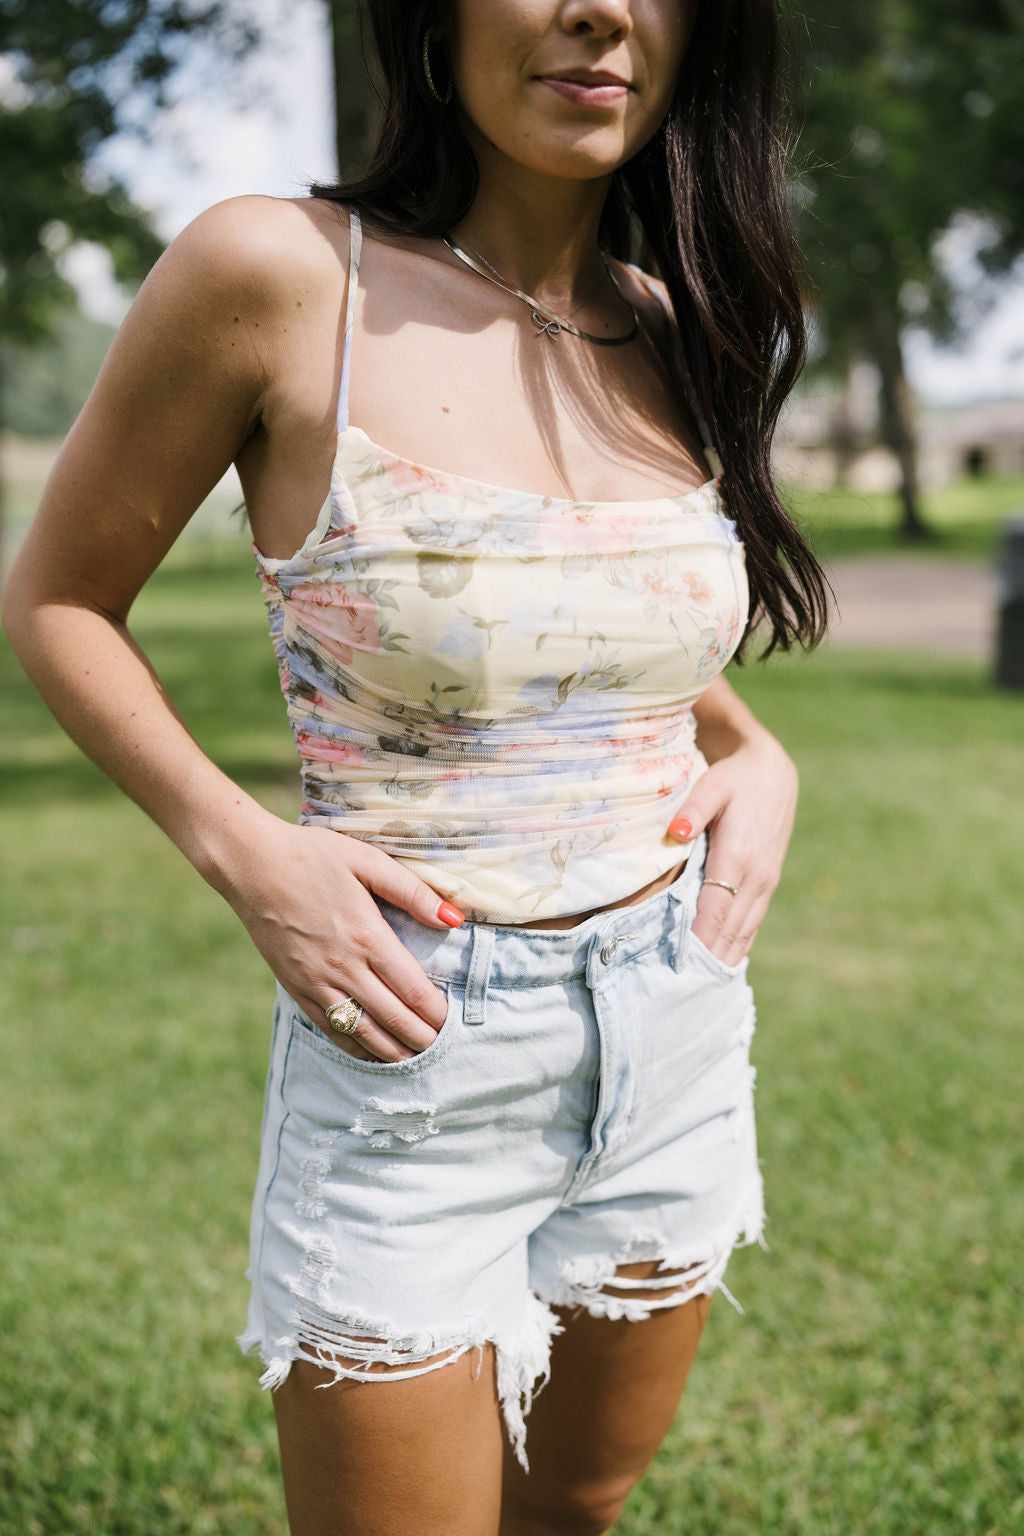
x: 873, y: 1386
x: 965, y: 518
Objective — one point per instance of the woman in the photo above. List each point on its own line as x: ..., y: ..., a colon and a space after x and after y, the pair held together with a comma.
x: 508, y: 1131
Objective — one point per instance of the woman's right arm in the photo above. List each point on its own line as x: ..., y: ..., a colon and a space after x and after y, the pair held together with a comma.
x: 181, y: 389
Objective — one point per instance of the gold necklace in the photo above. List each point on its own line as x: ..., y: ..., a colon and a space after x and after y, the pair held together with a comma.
x: 547, y: 322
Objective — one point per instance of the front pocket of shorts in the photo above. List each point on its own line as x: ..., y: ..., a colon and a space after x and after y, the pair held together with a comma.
x: 700, y: 951
x: 312, y: 1036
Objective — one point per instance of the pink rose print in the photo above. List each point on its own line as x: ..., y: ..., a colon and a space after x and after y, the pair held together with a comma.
x: 634, y: 745
x: 678, y: 767
x: 409, y: 478
x: 320, y: 750
x: 588, y: 528
x: 697, y: 588
x: 690, y: 586
x: 718, y: 644
x: 341, y: 617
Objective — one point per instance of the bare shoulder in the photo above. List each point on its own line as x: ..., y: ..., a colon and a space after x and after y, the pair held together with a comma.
x: 259, y: 249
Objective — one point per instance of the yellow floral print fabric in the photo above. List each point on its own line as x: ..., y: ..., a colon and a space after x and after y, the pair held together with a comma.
x: 495, y: 687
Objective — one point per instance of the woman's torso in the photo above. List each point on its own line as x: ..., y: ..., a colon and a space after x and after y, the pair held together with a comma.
x: 446, y: 388
x: 465, y: 385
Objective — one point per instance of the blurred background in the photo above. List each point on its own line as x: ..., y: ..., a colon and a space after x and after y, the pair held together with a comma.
x: 874, y: 1384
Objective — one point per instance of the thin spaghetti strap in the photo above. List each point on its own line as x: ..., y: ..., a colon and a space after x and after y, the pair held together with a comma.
x: 355, y: 247
x: 711, y: 452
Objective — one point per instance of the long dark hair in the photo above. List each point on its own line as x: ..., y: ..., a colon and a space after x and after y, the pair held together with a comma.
x: 707, y: 199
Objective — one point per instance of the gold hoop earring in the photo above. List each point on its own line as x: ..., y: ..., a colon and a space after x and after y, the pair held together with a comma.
x: 442, y: 100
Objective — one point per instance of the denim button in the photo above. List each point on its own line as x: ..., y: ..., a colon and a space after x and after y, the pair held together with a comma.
x: 608, y: 951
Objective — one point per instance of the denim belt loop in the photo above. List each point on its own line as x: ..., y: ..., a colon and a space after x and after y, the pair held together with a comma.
x: 684, y: 917
x: 479, y: 973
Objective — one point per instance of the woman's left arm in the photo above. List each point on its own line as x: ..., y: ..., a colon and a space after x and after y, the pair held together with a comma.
x: 747, y: 801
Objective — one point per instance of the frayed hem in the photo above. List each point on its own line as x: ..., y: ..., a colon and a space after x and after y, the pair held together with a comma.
x: 523, y: 1356
x: 581, y: 1282
x: 524, y: 1367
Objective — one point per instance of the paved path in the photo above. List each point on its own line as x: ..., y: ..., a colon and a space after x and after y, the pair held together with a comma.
x: 915, y: 602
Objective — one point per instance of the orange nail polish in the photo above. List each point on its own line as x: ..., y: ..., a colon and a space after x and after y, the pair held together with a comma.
x: 450, y: 915
x: 681, y: 827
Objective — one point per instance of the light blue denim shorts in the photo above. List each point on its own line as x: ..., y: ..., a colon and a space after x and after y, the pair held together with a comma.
x: 588, y: 1103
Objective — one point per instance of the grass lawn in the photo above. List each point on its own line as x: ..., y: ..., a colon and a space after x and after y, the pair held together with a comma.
x: 873, y: 1386
x: 965, y: 518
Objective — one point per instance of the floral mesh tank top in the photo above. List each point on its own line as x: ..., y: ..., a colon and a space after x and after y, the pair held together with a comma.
x: 495, y: 687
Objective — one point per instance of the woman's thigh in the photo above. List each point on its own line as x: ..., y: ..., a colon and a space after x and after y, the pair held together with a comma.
x: 380, y: 1458
x: 615, y: 1388
x: 386, y: 1458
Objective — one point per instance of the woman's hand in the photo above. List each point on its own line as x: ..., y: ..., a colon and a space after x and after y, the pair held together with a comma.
x: 747, y: 801
x: 304, y: 895
x: 192, y: 364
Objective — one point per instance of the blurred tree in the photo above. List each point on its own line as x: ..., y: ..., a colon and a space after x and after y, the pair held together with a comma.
x: 356, y: 102
x: 53, y: 376
x: 72, y: 74
x: 909, y: 114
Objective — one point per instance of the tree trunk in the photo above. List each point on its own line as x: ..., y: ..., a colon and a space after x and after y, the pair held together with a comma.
x: 842, y: 432
x: 3, y: 477
x: 356, y: 108
x: 897, y: 414
x: 3, y: 518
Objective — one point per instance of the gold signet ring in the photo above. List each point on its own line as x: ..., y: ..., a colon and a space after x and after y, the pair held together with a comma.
x: 344, y: 1016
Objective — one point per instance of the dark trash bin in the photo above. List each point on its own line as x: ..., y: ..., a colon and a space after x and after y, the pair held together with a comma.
x: 1010, y: 599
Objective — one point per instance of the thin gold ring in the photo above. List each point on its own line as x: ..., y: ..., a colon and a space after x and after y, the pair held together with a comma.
x: 724, y: 884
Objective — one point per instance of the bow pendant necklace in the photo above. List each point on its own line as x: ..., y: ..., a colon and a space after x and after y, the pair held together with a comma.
x: 548, y: 323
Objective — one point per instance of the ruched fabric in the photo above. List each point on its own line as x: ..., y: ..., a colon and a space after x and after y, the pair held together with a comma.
x: 495, y: 687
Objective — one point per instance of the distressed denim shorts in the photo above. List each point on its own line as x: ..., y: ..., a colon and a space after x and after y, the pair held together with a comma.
x: 587, y: 1103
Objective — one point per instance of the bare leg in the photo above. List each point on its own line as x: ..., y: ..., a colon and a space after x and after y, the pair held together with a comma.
x: 593, y: 1429
x: 419, y: 1455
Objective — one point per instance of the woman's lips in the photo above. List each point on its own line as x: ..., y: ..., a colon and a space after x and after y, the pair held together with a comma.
x: 604, y: 95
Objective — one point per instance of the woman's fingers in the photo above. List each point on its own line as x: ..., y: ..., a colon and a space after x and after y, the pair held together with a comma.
x: 727, y: 926
x: 369, y: 1036
x: 716, y: 925
x: 369, y: 1039
x: 402, y: 1008
x: 316, y: 1011
x: 390, y: 1023
x: 385, y: 877
x: 402, y: 973
x: 313, y: 911
x: 725, y: 923
x: 746, y: 802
